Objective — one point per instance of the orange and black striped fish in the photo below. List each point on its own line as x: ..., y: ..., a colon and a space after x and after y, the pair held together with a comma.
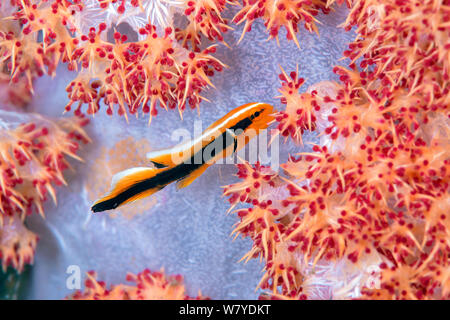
x: 186, y: 162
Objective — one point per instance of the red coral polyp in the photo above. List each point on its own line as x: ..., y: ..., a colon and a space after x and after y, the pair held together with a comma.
x: 205, y: 18
x: 132, y: 77
x: 278, y: 14
x: 399, y: 49
x: 147, y: 285
x: 17, y: 244
x: 254, y: 178
x: 140, y: 75
x: 378, y: 197
x: 299, y: 114
x: 33, y: 158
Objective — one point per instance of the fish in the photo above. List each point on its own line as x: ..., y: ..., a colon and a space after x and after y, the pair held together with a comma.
x: 185, y: 162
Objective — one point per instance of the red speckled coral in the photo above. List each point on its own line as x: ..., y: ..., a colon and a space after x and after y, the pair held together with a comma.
x: 379, y: 193
x: 129, y: 76
x: 140, y: 75
x: 205, y: 19
x: 32, y: 161
x: 404, y: 44
x: 17, y: 244
x: 281, y: 13
x: 148, y: 285
x: 32, y: 158
x: 298, y: 115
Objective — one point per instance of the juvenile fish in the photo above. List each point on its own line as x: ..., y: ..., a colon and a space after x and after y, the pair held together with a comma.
x: 186, y: 162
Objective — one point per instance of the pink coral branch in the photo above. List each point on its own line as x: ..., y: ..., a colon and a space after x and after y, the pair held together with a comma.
x: 278, y: 14
x: 33, y: 157
x: 17, y: 244
x: 378, y: 197
x: 148, y: 285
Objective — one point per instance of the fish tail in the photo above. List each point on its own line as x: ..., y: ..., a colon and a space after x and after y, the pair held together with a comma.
x: 126, y: 187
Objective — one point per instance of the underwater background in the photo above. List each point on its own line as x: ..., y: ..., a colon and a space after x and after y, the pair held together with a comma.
x: 185, y: 232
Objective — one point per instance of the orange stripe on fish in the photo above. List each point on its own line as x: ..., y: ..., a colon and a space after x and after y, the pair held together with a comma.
x: 186, y: 162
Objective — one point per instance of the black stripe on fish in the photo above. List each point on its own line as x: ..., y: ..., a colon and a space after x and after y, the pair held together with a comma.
x: 170, y: 175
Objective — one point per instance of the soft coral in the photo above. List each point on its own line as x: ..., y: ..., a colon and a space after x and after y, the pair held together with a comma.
x: 32, y: 161
x: 148, y: 285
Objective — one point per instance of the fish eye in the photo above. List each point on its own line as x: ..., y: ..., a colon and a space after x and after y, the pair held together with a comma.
x: 256, y: 114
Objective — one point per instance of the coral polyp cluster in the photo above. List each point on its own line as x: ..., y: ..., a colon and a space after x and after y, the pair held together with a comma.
x: 33, y: 157
x: 364, y: 213
x: 17, y: 244
x: 148, y: 285
x: 139, y: 76
x: 294, y: 120
x: 371, y: 201
x: 404, y: 44
x: 205, y: 19
x: 130, y: 76
x: 287, y: 14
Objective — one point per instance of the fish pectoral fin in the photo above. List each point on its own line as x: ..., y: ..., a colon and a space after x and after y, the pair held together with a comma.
x: 186, y: 181
x: 121, y: 182
x: 143, y: 195
x: 158, y: 165
x: 161, y: 159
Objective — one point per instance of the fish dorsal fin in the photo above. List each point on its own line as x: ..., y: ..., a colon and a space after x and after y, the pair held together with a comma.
x: 126, y: 178
x: 182, y: 183
x: 175, y: 155
x: 163, y: 158
x: 230, y: 115
x: 183, y: 151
